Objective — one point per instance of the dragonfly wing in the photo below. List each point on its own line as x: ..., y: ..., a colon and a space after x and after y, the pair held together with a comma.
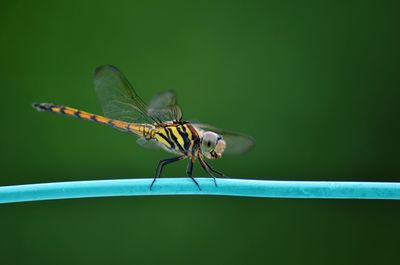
x: 149, y: 144
x: 236, y: 143
x: 164, y: 107
x: 154, y: 144
x: 117, y: 97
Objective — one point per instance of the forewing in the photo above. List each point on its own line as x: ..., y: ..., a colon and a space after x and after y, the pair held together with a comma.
x: 164, y: 107
x: 117, y: 97
x: 236, y: 143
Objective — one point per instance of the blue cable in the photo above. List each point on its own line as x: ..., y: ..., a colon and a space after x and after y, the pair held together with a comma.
x: 185, y: 186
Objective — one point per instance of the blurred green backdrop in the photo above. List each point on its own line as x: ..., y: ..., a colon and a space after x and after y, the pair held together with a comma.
x: 316, y: 83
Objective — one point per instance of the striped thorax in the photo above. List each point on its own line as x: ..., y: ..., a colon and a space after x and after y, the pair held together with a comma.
x: 180, y: 138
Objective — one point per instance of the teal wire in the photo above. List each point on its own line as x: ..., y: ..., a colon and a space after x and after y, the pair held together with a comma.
x: 185, y: 186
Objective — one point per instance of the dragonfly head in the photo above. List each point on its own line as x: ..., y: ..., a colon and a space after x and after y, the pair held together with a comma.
x: 212, y: 145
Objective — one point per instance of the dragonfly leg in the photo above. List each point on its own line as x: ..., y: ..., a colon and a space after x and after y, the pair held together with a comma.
x: 161, y: 165
x: 189, y: 171
x: 214, y: 170
x: 206, y: 168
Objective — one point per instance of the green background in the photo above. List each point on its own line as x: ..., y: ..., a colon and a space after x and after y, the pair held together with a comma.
x: 316, y: 83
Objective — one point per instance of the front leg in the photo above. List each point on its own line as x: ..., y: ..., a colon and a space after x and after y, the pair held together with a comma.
x: 214, y: 170
x: 161, y: 165
x: 206, y: 167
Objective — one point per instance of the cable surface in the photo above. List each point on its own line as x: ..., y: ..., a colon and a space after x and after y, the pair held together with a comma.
x: 185, y: 186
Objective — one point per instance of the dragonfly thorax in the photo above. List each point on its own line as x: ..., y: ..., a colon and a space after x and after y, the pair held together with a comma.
x: 212, y: 145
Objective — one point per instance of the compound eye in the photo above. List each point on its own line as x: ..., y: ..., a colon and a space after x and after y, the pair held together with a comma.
x: 209, y: 141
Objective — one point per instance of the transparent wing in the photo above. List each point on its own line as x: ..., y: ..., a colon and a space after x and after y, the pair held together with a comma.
x: 164, y: 107
x: 117, y: 97
x: 153, y: 144
x: 236, y: 143
x: 149, y: 144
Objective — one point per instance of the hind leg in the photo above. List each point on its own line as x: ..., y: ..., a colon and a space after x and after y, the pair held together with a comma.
x: 161, y: 165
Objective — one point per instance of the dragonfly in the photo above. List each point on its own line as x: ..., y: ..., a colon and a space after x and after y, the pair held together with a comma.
x: 158, y: 124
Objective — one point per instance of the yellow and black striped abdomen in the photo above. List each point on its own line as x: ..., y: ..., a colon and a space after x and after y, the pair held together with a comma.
x: 182, y: 138
x: 139, y: 129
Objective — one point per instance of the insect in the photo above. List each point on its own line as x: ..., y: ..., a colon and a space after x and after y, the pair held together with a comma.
x: 158, y: 124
